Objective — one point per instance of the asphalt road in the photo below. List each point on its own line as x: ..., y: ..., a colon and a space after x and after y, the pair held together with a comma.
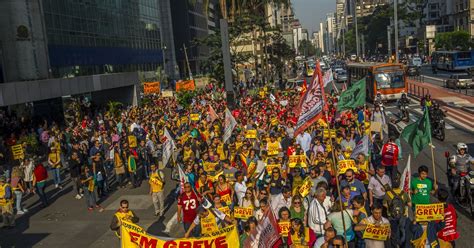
x: 440, y: 77
x: 67, y: 223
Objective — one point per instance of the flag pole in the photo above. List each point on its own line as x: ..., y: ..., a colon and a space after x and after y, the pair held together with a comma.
x: 337, y: 181
x: 433, y: 163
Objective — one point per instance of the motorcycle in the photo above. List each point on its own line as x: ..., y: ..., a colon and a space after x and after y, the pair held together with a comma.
x: 438, y: 128
x: 404, y: 114
x: 465, y: 192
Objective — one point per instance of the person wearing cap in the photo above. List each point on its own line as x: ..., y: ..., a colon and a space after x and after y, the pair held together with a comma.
x: 210, y: 220
x: 6, y: 203
x: 157, y: 182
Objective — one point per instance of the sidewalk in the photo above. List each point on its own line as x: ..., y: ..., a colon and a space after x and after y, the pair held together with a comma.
x: 459, y: 107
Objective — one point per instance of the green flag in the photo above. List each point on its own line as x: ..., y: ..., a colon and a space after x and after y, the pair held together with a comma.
x: 418, y: 134
x: 352, y: 97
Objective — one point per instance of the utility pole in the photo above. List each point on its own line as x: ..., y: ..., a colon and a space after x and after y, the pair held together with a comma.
x: 187, y: 61
x: 356, y: 29
x: 395, y: 13
x: 389, y: 39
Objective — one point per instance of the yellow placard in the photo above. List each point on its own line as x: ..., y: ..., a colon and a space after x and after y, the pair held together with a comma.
x: 273, y: 148
x: 274, y: 122
x: 151, y: 88
x: 195, y: 117
x: 251, y: 134
x: 251, y: 168
x: 225, y: 210
x: 305, y: 187
x: 17, y: 151
x: 270, y: 167
x: 326, y: 133
x: 132, y: 141
x: 243, y: 213
x: 133, y: 235
x: 262, y: 94
x: 429, y: 212
x: 346, y: 164
x: 284, y: 228
x: 209, y: 166
x: 167, y: 93
x: 183, y: 120
x: 377, y: 232
x: 295, y: 160
x: 226, y: 198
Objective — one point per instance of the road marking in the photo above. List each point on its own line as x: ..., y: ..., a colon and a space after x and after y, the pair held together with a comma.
x: 402, y: 125
x: 172, y: 222
x: 448, y: 127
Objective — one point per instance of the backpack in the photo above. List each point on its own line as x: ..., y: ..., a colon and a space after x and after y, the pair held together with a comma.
x: 396, y: 205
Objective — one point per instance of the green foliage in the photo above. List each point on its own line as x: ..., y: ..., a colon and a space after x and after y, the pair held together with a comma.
x: 114, y: 109
x: 31, y: 142
x: 306, y: 48
x: 185, y: 98
x: 456, y: 40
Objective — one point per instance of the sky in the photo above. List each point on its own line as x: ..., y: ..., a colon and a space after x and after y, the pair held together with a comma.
x: 312, y: 12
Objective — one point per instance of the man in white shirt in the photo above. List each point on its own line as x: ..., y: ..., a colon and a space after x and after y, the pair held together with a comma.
x: 377, y: 185
x: 304, y: 140
x: 281, y: 200
x: 318, y: 211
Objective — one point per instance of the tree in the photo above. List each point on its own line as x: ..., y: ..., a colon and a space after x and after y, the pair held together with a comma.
x: 307, y: 48
x: 456, y: 40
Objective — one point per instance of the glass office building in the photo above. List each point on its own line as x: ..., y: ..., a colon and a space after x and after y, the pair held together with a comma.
x: 87, y: 37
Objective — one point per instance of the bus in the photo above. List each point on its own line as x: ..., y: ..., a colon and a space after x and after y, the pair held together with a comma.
x: 388, y: 79
x: 452, y: 60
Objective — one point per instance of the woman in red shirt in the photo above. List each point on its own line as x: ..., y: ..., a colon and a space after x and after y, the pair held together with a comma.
x: 40, y: 175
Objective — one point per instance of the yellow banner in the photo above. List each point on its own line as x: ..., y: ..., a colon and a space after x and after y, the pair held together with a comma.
x: 251, y: 134
x: 195, y: 117
x: 209, y: 166
x: 326, y: 133
x: 346, y: 164
x: 305, y: 187
x: 273, y: 148
x: 243, y: 213
x: 271, y: 166
x: 167, y: 93
x: 429, y: 212
x: 185, y: 85
x: 132, y: 141
x: 17, y: 151
x: 377, y: 232
x: 133, y: 236
x: 284, y: 228
x: 294, y: 160
x: 151, y: 88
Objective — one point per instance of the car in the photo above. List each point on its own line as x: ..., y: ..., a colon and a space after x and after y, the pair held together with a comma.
x: 413, y: 70
x: 459, y: 81
x: 341, y: 76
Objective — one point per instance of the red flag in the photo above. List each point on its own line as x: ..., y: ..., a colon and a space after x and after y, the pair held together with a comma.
x: 266, y: 233
x: 313, y: 103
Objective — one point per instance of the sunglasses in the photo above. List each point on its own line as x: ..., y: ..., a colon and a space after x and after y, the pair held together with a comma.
x: 263, y: 193
x: 298, y: 202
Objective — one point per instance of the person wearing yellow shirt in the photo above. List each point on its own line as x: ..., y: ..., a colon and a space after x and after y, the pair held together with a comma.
x: 54, y: 161
x: 6, y: 204
x: 157, y: 183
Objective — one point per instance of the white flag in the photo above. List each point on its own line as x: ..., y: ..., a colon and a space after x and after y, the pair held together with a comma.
x: 182, y: 178
x: 168, y: 147
x: 212, y: 113
x: 272, y: 97
x: 405, y: 179
x: 328, y: 77
x: 361, y: 147
x: 230, y: 124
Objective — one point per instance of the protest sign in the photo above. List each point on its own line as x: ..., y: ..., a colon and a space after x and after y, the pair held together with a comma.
x: 17, y: 152
x: 225, y: 210
x: 151, y: 88
x: 243, y: 213
x: 167, y: 93
x: 284, y: 228
x: 305, y: 187
x: 295, y: 160
x: 429, y: 212
x: 273, y: 148
x: 377, y: 232
x: 209, y: 166
x: 270, y: 167
x: 346, y: 164
x: 133, y: 235
x: 251, y: 134
x: 132, y: 141
x: 195, y: 117
x: 187, y: 85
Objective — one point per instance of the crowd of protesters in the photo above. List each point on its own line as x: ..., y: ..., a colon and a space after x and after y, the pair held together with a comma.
x: 102, y: 151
